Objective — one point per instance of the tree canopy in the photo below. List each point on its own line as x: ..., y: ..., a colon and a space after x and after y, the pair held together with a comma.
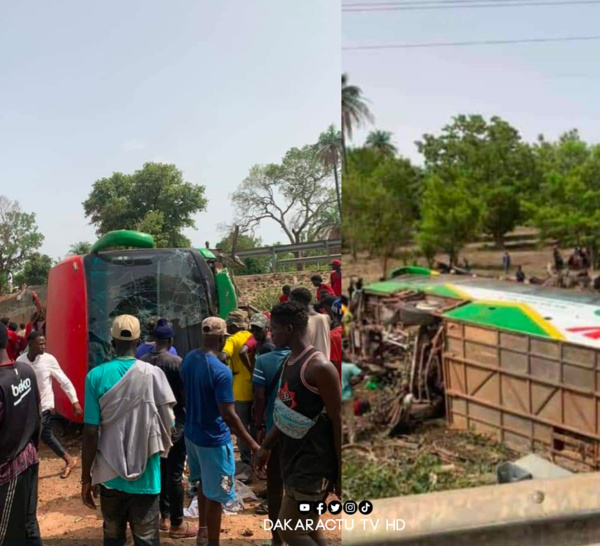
x: 493, y: 163
x: 80, y: 249
x: 382, y: 142
x: 381, y: 206
x: 36, y: 269
x: 19, y: 236
x: 567, y: 207
x: 155, y: 199
x: 297, y: 194
x: 355, y: 109
x: 329, y: 149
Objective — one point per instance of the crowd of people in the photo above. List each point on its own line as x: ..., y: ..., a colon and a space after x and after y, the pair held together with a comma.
x: 272, y: 381
x: 575, y: 272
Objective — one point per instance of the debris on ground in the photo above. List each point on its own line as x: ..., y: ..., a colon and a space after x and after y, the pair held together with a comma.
x: 432, y: 458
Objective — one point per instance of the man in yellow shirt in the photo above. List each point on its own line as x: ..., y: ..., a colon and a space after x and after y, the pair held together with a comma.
x: 237, y: 328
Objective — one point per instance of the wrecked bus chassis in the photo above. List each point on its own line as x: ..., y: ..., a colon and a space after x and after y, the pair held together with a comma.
x: 519, y: 363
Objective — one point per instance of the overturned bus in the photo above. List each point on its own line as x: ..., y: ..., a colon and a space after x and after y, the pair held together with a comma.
x: 517, y: 362
x: 85, y: 293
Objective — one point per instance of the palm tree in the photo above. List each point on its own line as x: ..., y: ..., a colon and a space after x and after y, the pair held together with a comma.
x: 382, y: 142
x: 328, y: 150
x: 354, y: 111
x: 80, y: 249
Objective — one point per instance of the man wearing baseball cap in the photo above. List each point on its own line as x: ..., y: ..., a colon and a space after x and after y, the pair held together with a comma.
x: 335, y: 277
x: 237, y: 327
x: 171, y: 468
x: 128, y: 419
x: 259, y: 343
x: 210, y: 414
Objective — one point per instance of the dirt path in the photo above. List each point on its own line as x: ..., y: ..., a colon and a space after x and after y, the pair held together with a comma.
x: 64, y: 520
x: 483, y: 261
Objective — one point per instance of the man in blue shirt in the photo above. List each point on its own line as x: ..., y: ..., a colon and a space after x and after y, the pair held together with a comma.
x: 149, y: 345
x: 210, y: 419
x: 267, y: 371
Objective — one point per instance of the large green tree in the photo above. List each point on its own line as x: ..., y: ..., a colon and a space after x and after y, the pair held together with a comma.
x: 381, y: 208
x: 567, y: 207
x: 19, y: 237
x: 450, y: 217
x: 155, y: 199
x: 295, y: 194
x: 36, y: 269
x: 494, y: 163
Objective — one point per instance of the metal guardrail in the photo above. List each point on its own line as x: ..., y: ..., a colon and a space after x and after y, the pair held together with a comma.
x: 558, y: 512
x: 309, y: 260
x: 273, y: 251
x: 282, y: 249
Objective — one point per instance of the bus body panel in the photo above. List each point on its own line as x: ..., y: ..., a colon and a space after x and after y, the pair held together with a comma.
x: 66, y: 328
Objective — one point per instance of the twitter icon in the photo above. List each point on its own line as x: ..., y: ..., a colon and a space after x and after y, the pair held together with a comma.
x: 335, y: 507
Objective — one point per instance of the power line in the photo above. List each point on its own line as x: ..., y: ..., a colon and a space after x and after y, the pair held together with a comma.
x: 472, y: 43
x: 421, y: 2
x: 414, y: 6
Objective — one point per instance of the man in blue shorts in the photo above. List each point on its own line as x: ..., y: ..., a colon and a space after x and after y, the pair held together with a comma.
x: 210, y: 407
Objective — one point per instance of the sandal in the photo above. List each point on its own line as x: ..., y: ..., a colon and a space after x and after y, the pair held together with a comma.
x: 165, y: 524
x: 185, y: 530
x: 262, y: 508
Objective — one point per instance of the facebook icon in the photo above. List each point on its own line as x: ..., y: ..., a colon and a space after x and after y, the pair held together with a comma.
x: 320, y: 508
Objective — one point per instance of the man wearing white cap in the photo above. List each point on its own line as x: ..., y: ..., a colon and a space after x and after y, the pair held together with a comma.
x: 128, y: 418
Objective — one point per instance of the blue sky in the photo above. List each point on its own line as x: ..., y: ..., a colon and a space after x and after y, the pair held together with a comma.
x: 541, y: 88
x: 89, y: 88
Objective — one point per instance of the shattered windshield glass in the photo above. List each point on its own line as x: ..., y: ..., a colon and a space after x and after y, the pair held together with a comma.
x: 148, y: 284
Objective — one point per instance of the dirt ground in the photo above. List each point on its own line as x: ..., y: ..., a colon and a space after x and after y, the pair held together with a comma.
x: 430, y: 457
x: 64, y: 520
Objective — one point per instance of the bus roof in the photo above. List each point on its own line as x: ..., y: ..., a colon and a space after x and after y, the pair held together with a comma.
x: 554, y: 313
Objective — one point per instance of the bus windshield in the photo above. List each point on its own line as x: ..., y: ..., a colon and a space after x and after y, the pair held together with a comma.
x: 147, y: 284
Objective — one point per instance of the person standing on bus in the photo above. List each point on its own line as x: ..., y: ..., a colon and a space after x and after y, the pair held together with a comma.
x: 20, y: 424
x: 46, y: 368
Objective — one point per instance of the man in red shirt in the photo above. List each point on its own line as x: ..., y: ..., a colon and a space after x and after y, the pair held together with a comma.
x: 335, y: 278
x: 14, y: 344
x: 285, y: 293
x: 323, y: 289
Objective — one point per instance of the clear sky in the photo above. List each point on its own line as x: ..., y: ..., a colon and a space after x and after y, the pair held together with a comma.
x: 89, y: 88
x: 539, y: 88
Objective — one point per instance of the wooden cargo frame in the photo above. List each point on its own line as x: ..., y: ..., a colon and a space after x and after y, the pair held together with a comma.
x: 529, y: 392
